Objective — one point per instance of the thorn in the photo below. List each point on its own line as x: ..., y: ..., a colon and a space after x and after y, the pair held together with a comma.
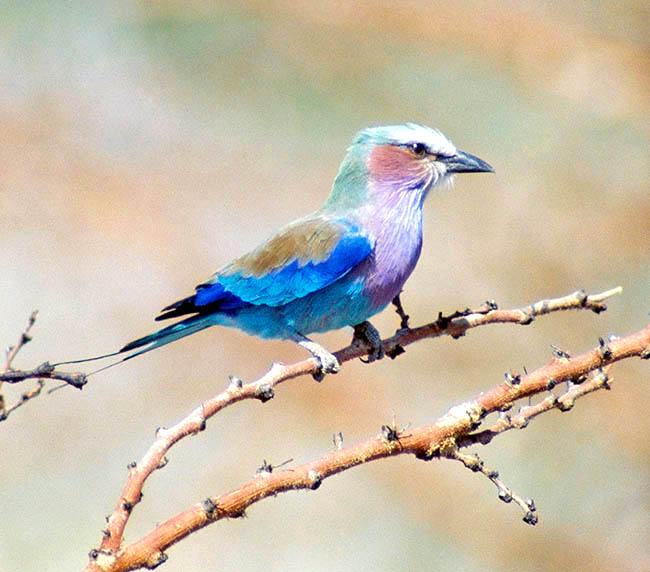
x: 579, y: 380
x: 265, y: 468
x: 268, y: 467
x: 604, y: 379
x: 235, y: 383
x: 527, y: 319
x: 390, y: 434
x: 426, y: 455
x: 442, y: 321
x: 505, y: 496
x: 490, y: 305
x: 474, y: 463
x: 156, y: 560
x: 264, y: 392
x: 399, y: 350
x: 582, y: 297
x: 530, y: 518
x: 560, y: 354
x: 523, y: 423
x: 315, y: 479
x: 512, y: 380
x: 210, y: 508
x: 603, y: 348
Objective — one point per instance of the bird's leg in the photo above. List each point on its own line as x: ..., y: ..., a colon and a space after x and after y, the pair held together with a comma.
x: 327, y: 362
x: 367, y: 335
x: 404, y: 317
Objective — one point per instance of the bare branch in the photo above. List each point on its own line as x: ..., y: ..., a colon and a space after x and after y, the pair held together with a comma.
x: 263, y: 388
x: 12, y: 352
x: 458, y: 323
x: 440, y: 439
x: 45, y: 370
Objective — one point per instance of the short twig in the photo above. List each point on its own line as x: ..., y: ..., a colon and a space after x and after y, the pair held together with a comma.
x: 24, y: 398
x: 24, y: 338
x: 475, y: 464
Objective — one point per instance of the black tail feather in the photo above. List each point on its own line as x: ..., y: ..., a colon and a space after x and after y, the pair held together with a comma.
x: 179, y: 308
x: 152, y: 341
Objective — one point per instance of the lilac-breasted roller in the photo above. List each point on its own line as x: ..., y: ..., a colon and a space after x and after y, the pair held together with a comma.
x: 341, y: 264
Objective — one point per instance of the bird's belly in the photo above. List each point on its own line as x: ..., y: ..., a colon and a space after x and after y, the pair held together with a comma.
x: 344, y: 303
x: 356, y: 297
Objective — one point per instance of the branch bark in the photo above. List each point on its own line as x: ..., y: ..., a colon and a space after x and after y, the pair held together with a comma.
x: 458, y: 428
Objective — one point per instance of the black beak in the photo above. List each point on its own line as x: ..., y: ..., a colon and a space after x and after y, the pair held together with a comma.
x: 463, y: 162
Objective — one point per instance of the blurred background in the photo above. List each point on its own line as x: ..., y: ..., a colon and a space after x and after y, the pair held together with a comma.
x: 143, y: 145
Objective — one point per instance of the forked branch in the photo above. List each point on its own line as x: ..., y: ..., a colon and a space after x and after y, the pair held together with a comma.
x: 458, y: 428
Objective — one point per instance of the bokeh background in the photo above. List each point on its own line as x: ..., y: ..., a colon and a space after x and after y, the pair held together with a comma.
x: 143, y: 145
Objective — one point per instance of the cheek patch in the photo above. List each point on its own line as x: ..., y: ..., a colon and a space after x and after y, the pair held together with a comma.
x: 391, y: 164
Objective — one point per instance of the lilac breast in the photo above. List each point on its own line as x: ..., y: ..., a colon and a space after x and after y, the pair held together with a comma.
x: 397, y: 229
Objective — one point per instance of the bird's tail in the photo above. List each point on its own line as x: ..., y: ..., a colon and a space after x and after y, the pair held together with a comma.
x: 152, y: 341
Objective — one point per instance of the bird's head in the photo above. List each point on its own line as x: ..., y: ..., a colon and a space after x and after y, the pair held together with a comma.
x: 396, y: 159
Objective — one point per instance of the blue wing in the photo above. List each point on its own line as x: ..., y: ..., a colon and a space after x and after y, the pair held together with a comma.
x: 302, y: 258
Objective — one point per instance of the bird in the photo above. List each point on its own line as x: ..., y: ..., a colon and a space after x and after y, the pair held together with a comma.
x: 337, y: 266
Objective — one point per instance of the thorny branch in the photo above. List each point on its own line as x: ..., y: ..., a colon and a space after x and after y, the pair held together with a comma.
x: 454, y: 325
x: 458, y: 428
x: 442, y: 438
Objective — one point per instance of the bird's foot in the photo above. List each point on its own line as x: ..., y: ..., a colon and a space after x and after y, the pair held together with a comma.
x: 366, y: 335
x: 327, y: 362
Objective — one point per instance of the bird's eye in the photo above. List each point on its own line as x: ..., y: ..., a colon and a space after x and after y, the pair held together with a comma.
x: 418, y: 149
